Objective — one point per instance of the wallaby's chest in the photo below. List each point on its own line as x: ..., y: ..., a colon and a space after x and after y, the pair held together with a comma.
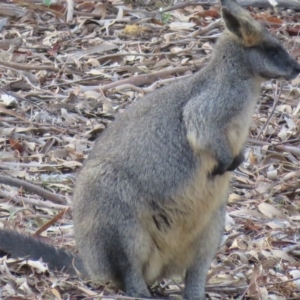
x: 238, y: 127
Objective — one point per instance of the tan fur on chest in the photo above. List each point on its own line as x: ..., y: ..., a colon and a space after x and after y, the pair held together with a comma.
x: 238, y: 128
x: 173, y: 249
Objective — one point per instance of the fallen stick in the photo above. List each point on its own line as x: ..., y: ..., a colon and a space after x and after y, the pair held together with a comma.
x: 32, y: 188
x: 40, y: 203
x: 145, y: 78
x: 277, y: 147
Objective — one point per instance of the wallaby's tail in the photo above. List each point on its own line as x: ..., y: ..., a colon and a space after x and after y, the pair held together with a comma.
x: 22, y: 246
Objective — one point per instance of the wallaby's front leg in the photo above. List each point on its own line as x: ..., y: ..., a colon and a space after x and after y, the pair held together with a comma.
x: 208, y: 244
x: 206, y: 136
x: 223, y: 155
x: 237, y: 161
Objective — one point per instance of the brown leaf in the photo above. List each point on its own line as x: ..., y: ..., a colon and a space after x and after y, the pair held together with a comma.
x: 208, y: 13
x: 51, y: 222
x: 15, y: 145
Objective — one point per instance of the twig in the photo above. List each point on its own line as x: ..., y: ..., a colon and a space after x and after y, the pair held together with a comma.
x: 19, y: 98
x: 277, y: 147
x: 70, y: 10
x: 40, y: 203
x: 12, y: 113
x: 30, y: 165
x: 32, y: 188
x: 281, y: 282
x: 290, y: 149
x: 145, y: 78
x: 243, y: 186
x: 206, y: 29
x: 51, y: 222
x: 158, y: 83
x: 126, y: 87
x: 23, y: 67
x: 290, y: 175
x: 28, y: 67
x: 276, y: 96
x: 148, y: 89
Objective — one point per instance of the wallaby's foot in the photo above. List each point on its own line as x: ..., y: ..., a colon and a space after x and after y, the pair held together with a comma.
x: 194, y: 296
x: 237, y: 161
x: 135, y: 285
x: 138, y: 294
x: 194, y: 291
x: 208, y: 242
x: 195, y: 280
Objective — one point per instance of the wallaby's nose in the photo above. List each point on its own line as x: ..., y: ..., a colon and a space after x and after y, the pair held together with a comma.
x: 295, y: 71
x: 298, y: 68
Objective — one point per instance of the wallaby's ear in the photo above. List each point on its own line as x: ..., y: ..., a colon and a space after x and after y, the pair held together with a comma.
x: 241, y: 24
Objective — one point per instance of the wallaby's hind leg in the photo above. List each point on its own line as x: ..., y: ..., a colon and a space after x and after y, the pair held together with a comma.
x: 118, y: 257
x: 135, y: 248
x: 131, y: 252
x: 209, y: 242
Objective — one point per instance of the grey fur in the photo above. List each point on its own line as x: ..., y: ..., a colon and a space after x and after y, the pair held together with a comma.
x: 23, y: 246
x: 150, y: 200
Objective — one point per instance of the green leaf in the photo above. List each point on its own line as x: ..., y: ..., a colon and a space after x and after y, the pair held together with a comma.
x: 47, y: 2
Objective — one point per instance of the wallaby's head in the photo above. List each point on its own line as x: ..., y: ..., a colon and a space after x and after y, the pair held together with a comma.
x: 264, y: 54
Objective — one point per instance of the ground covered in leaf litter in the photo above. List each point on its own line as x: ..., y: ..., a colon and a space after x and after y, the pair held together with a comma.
x: 61, y: 84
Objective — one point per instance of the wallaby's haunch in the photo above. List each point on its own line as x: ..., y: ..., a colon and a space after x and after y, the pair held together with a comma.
x: 150, y: 200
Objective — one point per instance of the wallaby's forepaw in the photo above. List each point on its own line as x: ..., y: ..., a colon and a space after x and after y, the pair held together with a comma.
x: 237, y: 161
x: 221, y: 168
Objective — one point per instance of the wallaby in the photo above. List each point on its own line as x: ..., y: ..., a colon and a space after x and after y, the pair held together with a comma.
x: 150, y: 199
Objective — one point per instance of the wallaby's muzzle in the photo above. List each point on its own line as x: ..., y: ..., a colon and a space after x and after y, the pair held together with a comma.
x: 295, y: 72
